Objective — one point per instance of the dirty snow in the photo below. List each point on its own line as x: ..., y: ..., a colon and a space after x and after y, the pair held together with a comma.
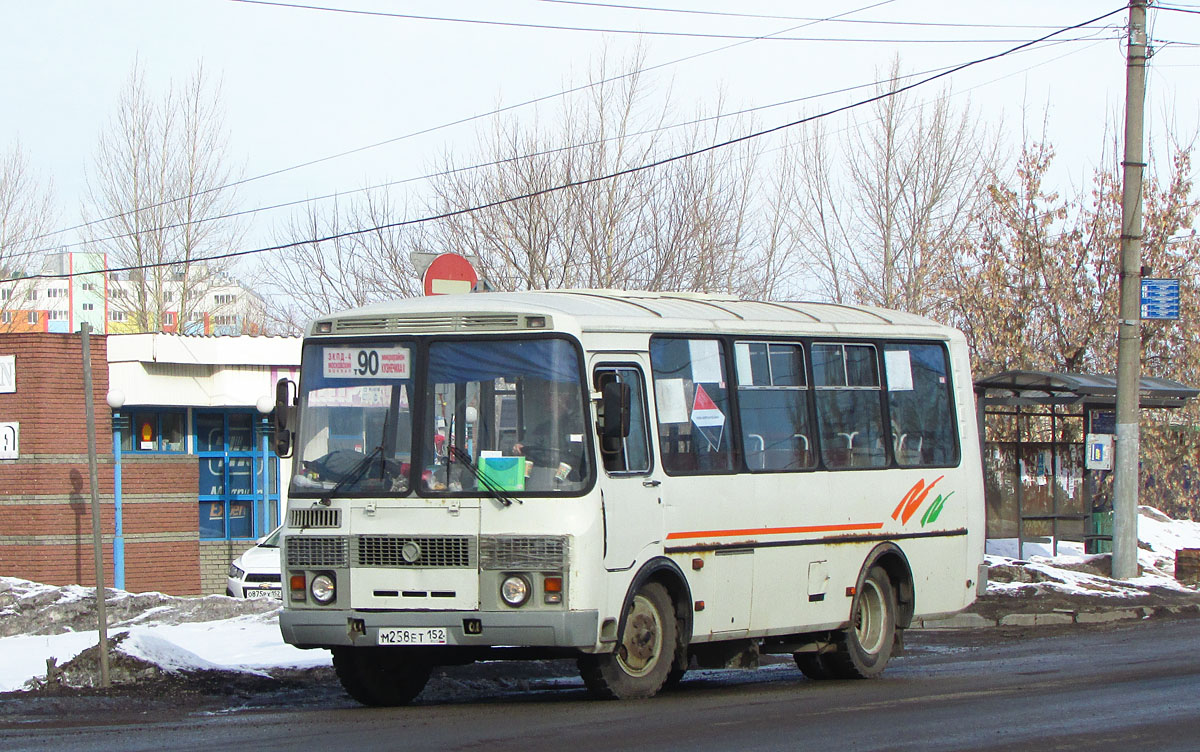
x: 43, y: 622
x: 1072, y: 572
x: 175, y: 634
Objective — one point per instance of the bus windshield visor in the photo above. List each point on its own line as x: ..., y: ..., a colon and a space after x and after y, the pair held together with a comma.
x: 355, y: 434
x: 505, y: 418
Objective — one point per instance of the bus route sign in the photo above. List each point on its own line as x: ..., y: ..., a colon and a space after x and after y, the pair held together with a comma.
x: 1160, y: 299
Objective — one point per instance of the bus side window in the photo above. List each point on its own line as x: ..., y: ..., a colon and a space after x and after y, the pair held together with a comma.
x: 631, y: 454
x: 773, y: 406
x: 692, y: 401
x: 920, y: 405
x: 849, y: 410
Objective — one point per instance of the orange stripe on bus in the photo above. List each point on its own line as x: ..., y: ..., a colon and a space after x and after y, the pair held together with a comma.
x: 777, y: 530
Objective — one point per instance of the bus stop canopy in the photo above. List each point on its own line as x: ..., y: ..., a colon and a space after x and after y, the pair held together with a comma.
x: 1097, y: 390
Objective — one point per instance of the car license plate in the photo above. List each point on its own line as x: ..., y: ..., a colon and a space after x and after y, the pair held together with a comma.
x: 412, y: 636
x: 264, y: 593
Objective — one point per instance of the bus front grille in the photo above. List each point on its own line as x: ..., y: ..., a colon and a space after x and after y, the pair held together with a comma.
x: 315, y: 551
x: 315, y: 517
x: 534, y: 552
x: 451, y: 552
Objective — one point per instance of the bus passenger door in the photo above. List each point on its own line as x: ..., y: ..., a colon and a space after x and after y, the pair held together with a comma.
x: 632, y: 505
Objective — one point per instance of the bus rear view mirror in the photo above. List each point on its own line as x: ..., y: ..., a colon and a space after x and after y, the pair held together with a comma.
x: 282, y: 417
x: 615, y: 402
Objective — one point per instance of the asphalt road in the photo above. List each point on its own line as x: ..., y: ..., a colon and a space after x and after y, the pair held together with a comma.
x: 1127, y: 686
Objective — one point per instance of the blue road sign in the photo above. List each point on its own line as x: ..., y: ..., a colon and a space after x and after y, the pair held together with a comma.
x: 1160, y: 299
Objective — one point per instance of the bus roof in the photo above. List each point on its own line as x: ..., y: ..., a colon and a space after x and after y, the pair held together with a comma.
x: 621, y: 311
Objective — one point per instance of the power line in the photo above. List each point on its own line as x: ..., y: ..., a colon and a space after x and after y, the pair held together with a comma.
x: 607, y: 30
x: 454, y: 170
x: 730, y: 14
x: 451, y: 124
x: 530, y: 155
x: 591, y: 180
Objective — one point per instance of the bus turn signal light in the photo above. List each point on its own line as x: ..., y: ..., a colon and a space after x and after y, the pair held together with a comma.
x: 552, y: 587
x: 298, y: 586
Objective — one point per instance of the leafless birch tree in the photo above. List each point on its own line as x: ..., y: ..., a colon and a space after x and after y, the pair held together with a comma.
x: 155, y: 196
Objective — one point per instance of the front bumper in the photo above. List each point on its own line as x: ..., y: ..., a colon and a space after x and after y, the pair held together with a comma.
x: 334, y: 627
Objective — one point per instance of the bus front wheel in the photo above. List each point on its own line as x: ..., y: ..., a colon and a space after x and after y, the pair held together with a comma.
x: 639, y: 666
x: 865, y: 645
x: 380, y: 677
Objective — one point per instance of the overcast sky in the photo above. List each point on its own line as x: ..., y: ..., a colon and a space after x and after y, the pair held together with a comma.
x: 303, y: 84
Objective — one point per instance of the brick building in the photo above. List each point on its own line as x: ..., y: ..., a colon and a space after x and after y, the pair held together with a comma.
x: 182, y: 486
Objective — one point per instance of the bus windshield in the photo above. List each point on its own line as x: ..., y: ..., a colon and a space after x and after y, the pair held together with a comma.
x: 500, y: 418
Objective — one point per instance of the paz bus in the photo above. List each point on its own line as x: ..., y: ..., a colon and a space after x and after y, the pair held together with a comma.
x: 644, y: 482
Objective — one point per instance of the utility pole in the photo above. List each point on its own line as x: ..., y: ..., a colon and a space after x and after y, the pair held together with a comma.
x: 1129, y: 324
x: 97, y: 540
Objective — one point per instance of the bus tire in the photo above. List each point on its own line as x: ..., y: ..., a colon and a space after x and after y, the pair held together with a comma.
x: 865, y: 645
x: 380, y: 677
x: 814, y: 665
x: 645, y: 652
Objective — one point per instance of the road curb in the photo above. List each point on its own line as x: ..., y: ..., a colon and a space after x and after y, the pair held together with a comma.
x: 1058, y: 617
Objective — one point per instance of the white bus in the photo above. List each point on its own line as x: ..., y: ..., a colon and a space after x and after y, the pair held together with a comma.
x: 642, y: 481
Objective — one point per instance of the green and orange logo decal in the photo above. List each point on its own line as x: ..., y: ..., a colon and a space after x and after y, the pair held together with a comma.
x: 913, y: 500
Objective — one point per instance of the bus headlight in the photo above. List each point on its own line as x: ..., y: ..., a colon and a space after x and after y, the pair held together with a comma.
x: 323, y: 588
x: 515, y: 590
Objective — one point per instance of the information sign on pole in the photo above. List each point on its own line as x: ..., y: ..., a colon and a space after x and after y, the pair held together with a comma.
x: 1160, y: 299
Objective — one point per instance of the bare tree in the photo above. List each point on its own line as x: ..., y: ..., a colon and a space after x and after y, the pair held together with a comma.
x: 878, y: 218
x: 352, y: 269
x: 26, y: 218
x: 539, y: 210
x: 682, y: 225
x: 156, y: 194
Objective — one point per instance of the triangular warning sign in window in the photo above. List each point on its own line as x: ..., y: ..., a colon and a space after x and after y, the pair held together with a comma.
x: 705, y: 412
x: 702, y: 400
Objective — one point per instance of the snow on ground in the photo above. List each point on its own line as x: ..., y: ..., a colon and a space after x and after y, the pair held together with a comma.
x: 176, y: 634
x: 1074, y: 573
x: 41, y: 622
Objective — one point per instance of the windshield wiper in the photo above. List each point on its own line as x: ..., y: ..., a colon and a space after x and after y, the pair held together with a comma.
x: 356, y: 473
x: 501, y: 495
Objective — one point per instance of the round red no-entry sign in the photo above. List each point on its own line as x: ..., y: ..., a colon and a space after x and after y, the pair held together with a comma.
x: 448, y: 274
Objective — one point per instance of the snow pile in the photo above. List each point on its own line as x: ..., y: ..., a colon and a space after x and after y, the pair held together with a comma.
x: 1072, y: 572
x: 43, y: 628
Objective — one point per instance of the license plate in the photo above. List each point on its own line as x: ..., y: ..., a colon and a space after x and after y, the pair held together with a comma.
x: 411, y: 636
x: 263, y: 593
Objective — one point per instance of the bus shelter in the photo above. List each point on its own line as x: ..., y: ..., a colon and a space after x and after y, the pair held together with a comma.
x: 1033, y: 426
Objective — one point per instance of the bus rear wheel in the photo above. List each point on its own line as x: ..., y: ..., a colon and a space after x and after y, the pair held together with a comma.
x: 865, y: 645
x: 380, y: 677
x: 639, y: 666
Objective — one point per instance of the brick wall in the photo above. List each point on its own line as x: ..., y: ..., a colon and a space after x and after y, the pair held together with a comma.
x: 45, y: 495
x: 215, y: 557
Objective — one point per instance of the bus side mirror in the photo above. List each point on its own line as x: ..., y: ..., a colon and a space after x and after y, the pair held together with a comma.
x: 615, y: 402
x: 282, y: 417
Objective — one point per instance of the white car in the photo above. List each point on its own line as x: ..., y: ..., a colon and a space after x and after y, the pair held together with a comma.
x: 255, y: 574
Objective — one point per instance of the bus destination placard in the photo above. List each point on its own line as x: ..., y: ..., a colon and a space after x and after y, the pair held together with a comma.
x: 366, y: 363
